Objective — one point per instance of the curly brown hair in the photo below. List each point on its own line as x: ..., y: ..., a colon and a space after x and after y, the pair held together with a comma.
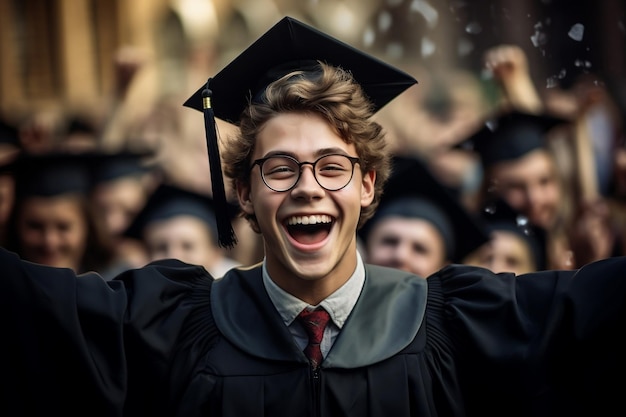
x: 331, y: 92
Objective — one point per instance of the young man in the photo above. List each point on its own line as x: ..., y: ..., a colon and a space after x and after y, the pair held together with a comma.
x: 179, y: 223
x: 308, y: 167
x: 420, y: 225
x: 52, y: 220
x: 520, y: 167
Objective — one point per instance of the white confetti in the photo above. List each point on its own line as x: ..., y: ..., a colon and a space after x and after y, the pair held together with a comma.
x: 576, y: 32
x: 385, y: 21
x: 552, y: 82
x: 369, y: 37
x: 539, y: 38
x: 427, y: 11
x: 428, y: 47
x: 580, y: 63
x: 473, y: 28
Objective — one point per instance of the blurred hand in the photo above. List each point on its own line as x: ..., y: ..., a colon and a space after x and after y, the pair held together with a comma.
x: 507, y: 63
x: 509, y: 67
x: 127, y: 62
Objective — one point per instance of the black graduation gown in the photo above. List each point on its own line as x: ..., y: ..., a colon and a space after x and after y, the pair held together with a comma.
x: 167, y: 340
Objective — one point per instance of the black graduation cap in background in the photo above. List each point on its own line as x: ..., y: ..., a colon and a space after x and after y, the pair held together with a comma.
x: 510, y: 135
x: 51, y: 174
x: 81, y: 124
x: 413, y: 192
x: 109, y: 166
x: 287, y: 46
x: 499, y: 215
x: 168, y: 201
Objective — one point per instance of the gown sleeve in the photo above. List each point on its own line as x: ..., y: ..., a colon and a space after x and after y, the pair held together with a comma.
x: 80, y: 345
x: 545, y: 343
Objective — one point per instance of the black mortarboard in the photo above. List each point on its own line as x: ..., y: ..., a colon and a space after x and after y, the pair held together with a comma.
x: 499, y: 215
x: 413, y: 192
x: 510, y: 135
x: 108, y: 166
x: 289, y: 45
x: 168, y: 201
x: 51, y: 174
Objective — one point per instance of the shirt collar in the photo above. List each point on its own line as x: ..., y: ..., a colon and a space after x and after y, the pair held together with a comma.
x: 338, y: 305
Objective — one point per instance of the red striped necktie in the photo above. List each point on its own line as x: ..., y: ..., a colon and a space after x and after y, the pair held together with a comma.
x: 314, y: 322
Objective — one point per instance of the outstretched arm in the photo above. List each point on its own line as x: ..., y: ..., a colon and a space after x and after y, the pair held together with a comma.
x: 61, y: 353
x: 509, y: 67
x: 80, y: 345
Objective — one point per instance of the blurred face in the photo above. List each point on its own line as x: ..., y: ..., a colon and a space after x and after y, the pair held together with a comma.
x: 506, y: 252
x: 186, y: 238
x: 118, y: 202
x: 309, y: 232
x: 531, y: 186
x: 413, y: 245
x: 53, y: 231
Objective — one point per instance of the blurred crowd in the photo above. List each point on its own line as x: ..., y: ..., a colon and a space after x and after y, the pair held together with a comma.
x: 116, y: 188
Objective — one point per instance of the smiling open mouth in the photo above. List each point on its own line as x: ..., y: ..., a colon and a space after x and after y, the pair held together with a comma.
x: 309, y: 229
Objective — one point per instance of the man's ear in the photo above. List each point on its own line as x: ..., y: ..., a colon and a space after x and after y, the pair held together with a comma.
x: 368, y: 188
x: 243, y: 195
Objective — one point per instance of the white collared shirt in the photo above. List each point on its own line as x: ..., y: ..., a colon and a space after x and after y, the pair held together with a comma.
x: 338, y: 305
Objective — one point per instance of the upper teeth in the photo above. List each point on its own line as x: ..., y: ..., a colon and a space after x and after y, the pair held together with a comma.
x: 315, y: 219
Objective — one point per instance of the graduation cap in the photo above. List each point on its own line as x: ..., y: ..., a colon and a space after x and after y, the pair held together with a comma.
x: 109, y: 166
x: 81, y: 124
x: 511, y: 135
x: 169, y: 201
x: 413, y: 192
x: 51, y: 174
x: 500, y: 216
x: 289, y: 45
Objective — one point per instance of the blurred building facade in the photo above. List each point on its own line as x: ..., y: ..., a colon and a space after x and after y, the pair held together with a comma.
x: 64, y: 52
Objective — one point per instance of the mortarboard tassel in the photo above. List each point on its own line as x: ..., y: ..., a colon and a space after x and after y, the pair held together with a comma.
x: 226, y: 234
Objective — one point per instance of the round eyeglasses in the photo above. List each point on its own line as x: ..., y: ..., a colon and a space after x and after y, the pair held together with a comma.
x: 281, y: 172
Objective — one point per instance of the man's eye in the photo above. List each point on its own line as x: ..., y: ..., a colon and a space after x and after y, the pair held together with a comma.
x: 280, y: 170
x: 332, y: 167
